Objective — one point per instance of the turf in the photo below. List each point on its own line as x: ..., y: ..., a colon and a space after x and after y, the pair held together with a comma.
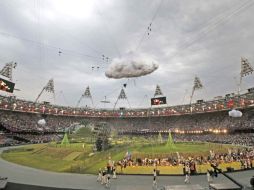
x: 75, y: 158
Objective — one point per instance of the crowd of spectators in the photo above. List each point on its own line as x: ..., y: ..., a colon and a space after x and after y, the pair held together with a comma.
x: 28, y: 122
x: 200, y: 122
x: 205, y: 124
x: 25, y: 127
x: 243, y: 156
x: 235, y: 139
x: 223, y: 103
x: 36, y: 139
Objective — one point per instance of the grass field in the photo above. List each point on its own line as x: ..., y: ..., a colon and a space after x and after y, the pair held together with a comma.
x: 74, y: 158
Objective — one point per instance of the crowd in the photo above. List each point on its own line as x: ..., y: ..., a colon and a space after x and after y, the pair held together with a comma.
x: 224, y: 103
x: 28, y: 122
x: 235, y: 139
x: 243, y: 156
x: 205, y: 121
x: 25, y: 126
x: 36, y: 139
x: 25, y: 123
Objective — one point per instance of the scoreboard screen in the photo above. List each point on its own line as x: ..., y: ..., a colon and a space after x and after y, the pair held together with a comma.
x: 6, y: 85
x: 158, y: 101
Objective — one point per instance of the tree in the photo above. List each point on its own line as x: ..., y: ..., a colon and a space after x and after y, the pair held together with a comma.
x: 98, y: 144
x: 65, y: 140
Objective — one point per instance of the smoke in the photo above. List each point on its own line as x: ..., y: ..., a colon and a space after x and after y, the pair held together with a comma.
x: 42, y: 122
x: 130, y: 66
x: 235, y: 113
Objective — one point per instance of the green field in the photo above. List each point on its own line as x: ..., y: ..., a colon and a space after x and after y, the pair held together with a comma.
x: 74, y: 158
x: 79, y: 157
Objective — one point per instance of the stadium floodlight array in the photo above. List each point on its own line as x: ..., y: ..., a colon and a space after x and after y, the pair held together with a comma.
x: 6, y: 84
x: 50, y: 87
x: 158, y: 91
x: 196, y: 86
x: 122, y: 96
x: 86, y: 94
x: 158, y: 98
x: 246, y: 69
x: 7, y: 69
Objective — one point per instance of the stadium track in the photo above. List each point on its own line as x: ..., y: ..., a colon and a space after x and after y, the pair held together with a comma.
x: 26, y: 178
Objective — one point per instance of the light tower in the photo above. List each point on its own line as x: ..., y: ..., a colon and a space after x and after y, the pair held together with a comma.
x: 48, y: 88
x: 8, y: 85
x: 86, y: 94
x: 122, y: 96
x: 196, y: 86
x: 158, y: 91
x: 7, y: 69
x: 246, y: 69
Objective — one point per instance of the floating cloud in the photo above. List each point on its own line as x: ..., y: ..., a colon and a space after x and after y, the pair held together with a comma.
x: 129, y: 67
x: 235, y: 113
x: 42, y: 122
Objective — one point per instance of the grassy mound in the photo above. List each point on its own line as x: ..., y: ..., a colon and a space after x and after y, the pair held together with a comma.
x: 84, y: 134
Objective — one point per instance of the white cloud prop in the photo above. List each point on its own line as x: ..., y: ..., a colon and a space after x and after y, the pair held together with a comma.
x: 130, y: 66
x: 235, y: 113
x: 42, y: 122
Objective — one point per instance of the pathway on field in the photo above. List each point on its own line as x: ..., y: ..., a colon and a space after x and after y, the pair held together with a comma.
x: 26, y: 175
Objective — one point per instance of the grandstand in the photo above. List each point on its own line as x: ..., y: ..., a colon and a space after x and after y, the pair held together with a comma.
x: 209, y: 117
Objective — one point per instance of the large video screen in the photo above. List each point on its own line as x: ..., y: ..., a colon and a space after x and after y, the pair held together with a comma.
x: 6, y: 85
x: 158, y: 101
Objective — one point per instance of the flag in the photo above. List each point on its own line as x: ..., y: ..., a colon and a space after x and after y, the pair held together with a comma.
x: 158, y: 91
x: 246, y: 68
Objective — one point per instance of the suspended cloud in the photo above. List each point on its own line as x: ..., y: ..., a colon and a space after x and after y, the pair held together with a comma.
x: 128, y: 67
x: 42, y: 122
x: 235, y: 113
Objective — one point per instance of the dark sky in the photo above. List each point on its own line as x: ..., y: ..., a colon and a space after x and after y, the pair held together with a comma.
x: 188, y: 38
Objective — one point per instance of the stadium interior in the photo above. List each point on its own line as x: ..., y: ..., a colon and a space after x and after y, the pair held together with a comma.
x: 130, y: 129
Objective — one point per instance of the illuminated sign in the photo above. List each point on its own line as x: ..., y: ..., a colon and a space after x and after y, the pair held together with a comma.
x: 6, y: 86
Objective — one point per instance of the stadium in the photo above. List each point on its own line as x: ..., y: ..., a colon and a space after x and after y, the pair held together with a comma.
x: 127, y: 130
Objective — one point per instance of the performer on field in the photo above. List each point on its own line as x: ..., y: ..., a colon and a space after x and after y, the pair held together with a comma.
x: 154, y: 178
x: 187, y: 173
x: 114, y: 173
x: 99, y: 178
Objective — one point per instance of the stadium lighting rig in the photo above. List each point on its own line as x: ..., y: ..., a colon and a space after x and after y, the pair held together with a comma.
x: 7, y: 69
x: 122, y: 96
x: 86, y: 94
x: 48, y: 88
x: 246, y: 69
x: 196, y: 86
x: 158, y: 98
x: 6, y: 84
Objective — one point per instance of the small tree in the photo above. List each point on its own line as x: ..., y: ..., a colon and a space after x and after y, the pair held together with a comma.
x: 170, y: 142
x: 160, y: 141
x: 98, y: 144
x: 65, y: 140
